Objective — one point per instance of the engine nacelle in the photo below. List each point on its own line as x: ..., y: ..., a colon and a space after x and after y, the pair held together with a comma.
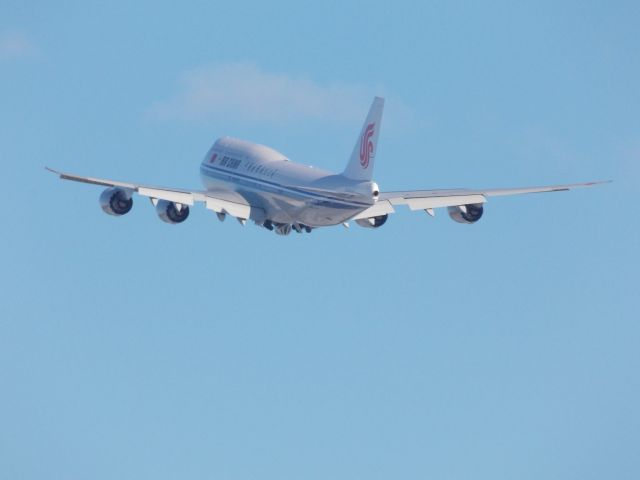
x: 373, y: 222
x: 470, y: 213
x: 172, y: 212
x: 116, y: 201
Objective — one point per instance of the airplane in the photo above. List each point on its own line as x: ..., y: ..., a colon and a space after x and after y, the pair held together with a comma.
x: 254, y: 182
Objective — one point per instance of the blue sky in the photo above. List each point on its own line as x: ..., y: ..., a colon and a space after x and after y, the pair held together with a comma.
x: 507, y: 349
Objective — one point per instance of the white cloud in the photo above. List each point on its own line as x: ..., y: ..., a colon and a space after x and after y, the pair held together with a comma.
x: 15, y: 44
x: 243, y: 91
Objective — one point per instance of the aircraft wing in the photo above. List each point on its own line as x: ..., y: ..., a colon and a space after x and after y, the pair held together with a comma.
x: 226, y: 202
x: 428, y: 200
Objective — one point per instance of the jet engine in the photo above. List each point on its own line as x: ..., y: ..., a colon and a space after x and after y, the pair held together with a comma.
x: 172, y: 212
x: 116, y: 201
x: 470, y: 213
x: 373, y: 222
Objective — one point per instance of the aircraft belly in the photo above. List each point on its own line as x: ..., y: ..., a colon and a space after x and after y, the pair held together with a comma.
x: 317, y: 215
x: 281, y: 208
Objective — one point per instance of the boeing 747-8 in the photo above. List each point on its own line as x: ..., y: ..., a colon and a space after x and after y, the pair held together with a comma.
x: 254, y: 182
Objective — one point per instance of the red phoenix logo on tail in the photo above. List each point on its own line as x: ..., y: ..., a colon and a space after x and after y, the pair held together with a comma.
x: 366, y: 145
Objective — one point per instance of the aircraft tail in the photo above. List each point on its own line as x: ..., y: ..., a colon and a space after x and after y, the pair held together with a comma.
x: 360, y: 166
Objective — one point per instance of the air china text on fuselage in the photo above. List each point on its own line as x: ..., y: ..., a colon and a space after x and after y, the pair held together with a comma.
x: 249, y: 181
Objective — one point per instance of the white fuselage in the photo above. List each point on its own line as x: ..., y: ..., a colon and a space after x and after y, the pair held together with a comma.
x: 284, y: 192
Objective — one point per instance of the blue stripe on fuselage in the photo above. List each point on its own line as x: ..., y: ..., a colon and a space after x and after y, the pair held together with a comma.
x: 211, y: 171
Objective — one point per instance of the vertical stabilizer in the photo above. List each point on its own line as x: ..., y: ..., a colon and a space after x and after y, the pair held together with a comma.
x: 360, y: 165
